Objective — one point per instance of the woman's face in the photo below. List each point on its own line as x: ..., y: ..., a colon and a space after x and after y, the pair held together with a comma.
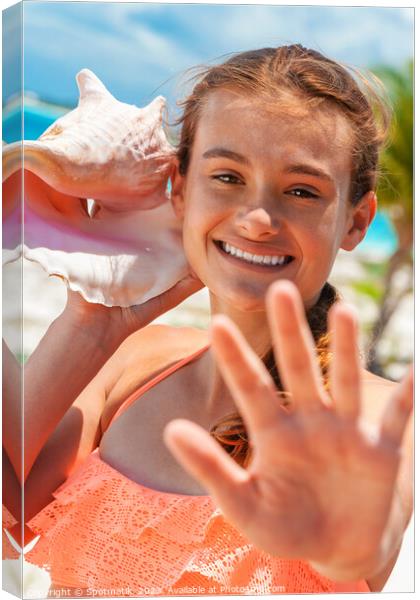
x: 270, y: 186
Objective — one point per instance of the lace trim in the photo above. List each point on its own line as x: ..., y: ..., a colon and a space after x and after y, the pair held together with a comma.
x: 105, y: 531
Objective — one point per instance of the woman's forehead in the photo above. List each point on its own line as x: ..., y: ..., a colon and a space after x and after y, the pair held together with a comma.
x: 250, y: 125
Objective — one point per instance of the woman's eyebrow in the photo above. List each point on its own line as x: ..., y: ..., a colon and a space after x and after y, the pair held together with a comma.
x: 304, y: 169
x: 219, y: 151
x: 301, y: 168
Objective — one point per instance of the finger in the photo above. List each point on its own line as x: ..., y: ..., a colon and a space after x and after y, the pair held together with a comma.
x: 201, y: 456
x: 184, y: 288
x: 294, y: 346
x: 345, y: 374
x: 248, y: 380
x: 157, y: 306
x: 398, y: 410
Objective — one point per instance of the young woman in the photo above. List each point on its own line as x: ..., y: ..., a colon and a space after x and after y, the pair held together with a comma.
x: 128, y: 475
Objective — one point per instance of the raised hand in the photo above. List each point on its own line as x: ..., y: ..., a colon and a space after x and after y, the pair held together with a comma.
x: 120, y: 322
x: 318, y: 486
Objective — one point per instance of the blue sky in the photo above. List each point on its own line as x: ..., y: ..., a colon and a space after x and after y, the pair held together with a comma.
x: 135, y: 48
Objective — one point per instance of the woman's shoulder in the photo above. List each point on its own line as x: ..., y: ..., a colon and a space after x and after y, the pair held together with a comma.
x: 372, y: 379
x: 376, y: 392
x: 154, y: 344
x: 161, y: 331
x: 143, y: 355
x: 159, y: 343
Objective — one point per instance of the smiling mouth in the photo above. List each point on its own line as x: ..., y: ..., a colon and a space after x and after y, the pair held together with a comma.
x: 257, y: 260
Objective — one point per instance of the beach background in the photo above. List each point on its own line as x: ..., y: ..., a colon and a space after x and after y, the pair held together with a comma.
x: 140, y: 51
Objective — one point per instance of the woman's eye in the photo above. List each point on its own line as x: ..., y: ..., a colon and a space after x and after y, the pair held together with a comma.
x: 226, y: 178
x: 302, y: 193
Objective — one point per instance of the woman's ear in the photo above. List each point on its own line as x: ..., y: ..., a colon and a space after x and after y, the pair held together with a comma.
x: 360, y: 217
x: 177, y: 190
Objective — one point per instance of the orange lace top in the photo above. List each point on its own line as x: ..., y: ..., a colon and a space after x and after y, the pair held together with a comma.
x: 107, y: 535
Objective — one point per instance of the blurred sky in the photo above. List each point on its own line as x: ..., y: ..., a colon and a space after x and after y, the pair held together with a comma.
x: 134, y: 48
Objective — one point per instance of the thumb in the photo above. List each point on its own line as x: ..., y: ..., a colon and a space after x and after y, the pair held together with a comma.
x: 157, y: 306
x: 184, y: 288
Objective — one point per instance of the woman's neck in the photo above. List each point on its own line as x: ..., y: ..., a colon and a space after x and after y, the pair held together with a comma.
x: 252, y: 324
x: 255, y: 329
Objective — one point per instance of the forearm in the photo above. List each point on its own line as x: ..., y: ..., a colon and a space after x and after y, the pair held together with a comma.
x: 12, y: 490
x: 11, y: 404
x: 65, y: 361
x: 379, y: 557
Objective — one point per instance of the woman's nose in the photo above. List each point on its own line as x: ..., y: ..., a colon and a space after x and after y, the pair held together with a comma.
x: 257, y: 222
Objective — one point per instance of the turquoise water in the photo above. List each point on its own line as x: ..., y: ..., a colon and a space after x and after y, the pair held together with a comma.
x: 36, y: 121
x: 380, y: 236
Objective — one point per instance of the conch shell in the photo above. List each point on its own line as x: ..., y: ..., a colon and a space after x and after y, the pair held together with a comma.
x: 96, y: 203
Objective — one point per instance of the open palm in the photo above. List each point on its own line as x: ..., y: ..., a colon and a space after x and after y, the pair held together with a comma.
x: 318, y: 486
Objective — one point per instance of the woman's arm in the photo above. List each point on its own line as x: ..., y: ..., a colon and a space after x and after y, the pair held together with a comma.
x: 139, y: 358
x: 11, y: 406
x: 75, y: 347
x: 11, y: 489
x: 400, y: 516
x: 70, y: 354
x: 376, y: 399
x: 380, y: 568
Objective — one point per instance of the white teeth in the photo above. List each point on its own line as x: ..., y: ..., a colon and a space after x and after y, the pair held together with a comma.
x: 253, y: 258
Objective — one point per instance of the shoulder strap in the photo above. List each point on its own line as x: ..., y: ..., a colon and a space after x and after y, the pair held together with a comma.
x: 149, y: 384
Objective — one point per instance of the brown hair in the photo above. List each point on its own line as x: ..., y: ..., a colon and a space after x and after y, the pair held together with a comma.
x: 280, y: 76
